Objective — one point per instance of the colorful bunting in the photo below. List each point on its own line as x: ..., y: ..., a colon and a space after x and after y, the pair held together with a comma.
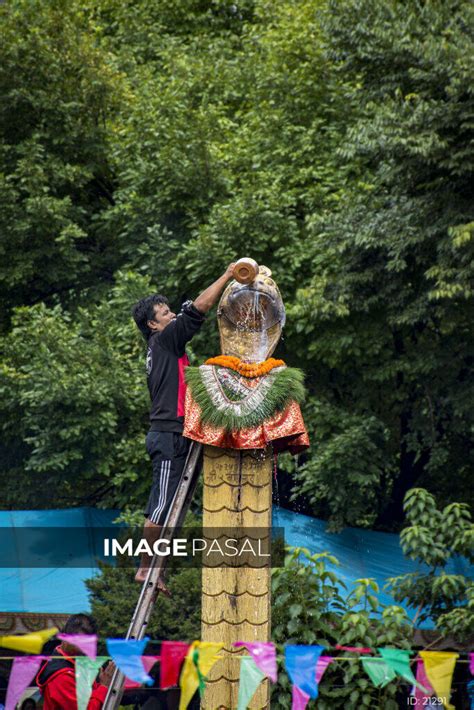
x: 24, y: 669
x: 196, y: 666
x: 439, y: 667
x: 322, y: 664
x: 87, y: 643
x: 299, y: 699
x: 301, y: 664
x: 264, y: 655
x: 86, y: 671
x: 399, y: 661
x: 378, y: 671
x: 304, y: 664
x: 250, y: 678
x: 173, y: 654
x: 127, y: 653
x: 28, y: 643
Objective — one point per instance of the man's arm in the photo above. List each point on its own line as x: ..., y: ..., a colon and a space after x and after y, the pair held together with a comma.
x: 186, y: 324
x: 209, y: 296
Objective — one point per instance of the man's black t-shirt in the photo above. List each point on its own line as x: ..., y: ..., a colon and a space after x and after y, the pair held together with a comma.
x: 165, y: 362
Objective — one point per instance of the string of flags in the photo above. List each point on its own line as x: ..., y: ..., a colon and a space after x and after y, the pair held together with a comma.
x: 189, y: 664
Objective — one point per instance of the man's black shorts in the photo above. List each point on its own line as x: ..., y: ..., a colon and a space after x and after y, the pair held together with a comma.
x: 168, y: 451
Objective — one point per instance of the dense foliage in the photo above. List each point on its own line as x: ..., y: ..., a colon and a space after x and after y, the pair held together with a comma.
x: 145, y: 145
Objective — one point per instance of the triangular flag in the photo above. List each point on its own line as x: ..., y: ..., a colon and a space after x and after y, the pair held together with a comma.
x: 250, y: 678
x: 399, y: 660
x: 24, y: 669
x: 378, y: 671
x: 127, y: 655
x: 299, y: 699
x: 439, y: 667
x: 86, y: 671
x: 264, y: 655
x: 200, y: 675
x: 354, y: 649
x: 87, y: 643
x: 423, y: 688
x: 301, y: 664
x: 148, y: 663
x: 322, y: 664
x: 28, y: 643
x: 202, y: 662
x: 173, y: 654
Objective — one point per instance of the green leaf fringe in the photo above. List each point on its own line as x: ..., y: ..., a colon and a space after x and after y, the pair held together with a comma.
x: 288, y: 386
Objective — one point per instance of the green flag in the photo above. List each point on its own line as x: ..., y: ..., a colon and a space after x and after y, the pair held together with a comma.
x: 399, y: 661
x: 378, y: 671
x: 86, y: 671
x: 201, y: 678
x: 250, y: 678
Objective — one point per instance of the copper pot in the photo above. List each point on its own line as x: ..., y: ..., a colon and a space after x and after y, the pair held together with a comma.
x: 245, y: 270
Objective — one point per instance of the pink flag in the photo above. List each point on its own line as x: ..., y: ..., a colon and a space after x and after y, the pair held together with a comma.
x: 264, y: 655
x: 354, y: 649
x: 24, y: 669
x: 322, y: 664
x: 471, y: 663
x: 87, y: 643
x: 148, y: 663
x: 422, y: 679
x: 299, y: 699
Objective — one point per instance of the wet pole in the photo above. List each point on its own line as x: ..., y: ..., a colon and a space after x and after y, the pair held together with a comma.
x: 237, y: 495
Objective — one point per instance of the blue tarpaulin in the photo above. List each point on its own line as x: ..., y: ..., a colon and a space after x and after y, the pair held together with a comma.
x: 361, y: 553
x: 49, y: 590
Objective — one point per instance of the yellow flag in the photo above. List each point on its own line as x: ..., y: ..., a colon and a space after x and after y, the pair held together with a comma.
x: 189, y: 680
x: 29, y: 643
x: 439, y: 666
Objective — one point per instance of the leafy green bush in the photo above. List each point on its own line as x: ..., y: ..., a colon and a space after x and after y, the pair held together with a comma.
x: 432, y: 538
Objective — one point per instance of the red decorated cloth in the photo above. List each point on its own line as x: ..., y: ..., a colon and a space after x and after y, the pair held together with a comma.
x: 285, y: 430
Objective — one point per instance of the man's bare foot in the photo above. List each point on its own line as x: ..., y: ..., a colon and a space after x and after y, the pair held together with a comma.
x: 141, y: 576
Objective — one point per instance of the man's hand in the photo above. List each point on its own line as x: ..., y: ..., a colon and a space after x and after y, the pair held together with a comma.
x: 105, y: 675
x: 229, y: 272
x: 207, y: 298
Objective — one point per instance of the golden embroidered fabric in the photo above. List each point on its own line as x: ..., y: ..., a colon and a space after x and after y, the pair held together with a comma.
x: 285, y: 430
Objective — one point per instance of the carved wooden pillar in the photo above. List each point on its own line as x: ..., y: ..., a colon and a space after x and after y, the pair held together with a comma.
x: 235, y: 600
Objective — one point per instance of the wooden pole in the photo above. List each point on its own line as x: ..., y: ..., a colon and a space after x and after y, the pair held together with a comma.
x: 235, y: 600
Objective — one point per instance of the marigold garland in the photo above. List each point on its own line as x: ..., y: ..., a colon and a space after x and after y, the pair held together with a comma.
x: 246, y: 369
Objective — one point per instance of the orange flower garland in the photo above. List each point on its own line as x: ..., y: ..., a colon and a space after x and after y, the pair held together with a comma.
x: 246, y: 369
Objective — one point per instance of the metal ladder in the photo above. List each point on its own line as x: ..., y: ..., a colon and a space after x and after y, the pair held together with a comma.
x: 149, y: 593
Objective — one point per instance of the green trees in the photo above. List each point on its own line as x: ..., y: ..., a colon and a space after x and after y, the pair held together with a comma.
x: 389, y: 304
x: 59, y: 95
x: 143, y: 146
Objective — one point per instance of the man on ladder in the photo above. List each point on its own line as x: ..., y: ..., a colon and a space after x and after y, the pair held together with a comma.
x: 166, y: 335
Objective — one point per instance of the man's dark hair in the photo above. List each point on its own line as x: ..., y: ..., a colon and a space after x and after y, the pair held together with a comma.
x: 80, y: 624
x: 144, y: 310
